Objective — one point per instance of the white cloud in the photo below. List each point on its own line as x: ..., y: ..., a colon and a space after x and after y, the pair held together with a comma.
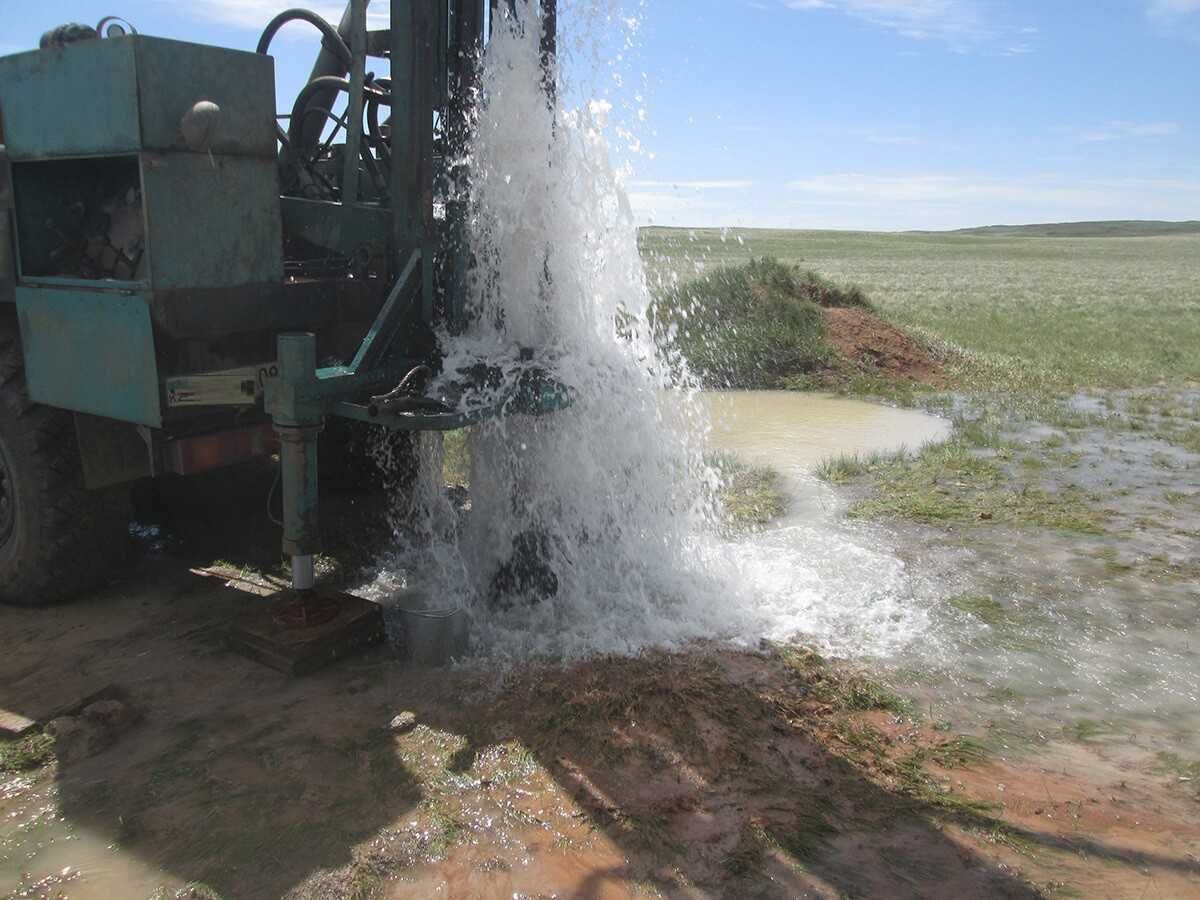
x: 691, y: 185
x: 890, y: 136
x: 1173, y: 7
x: 923, y: 201
x: 959, y: 200
x: 1117, y: 131
x: 959, y: 23
x: 255, y: 14
x: 955, y: 188
x: 1176, y: 17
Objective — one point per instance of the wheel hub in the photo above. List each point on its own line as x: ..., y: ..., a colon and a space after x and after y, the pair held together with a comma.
x: 8, y: 499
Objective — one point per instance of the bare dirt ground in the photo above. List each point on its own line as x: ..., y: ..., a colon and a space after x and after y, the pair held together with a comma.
x: 866, y: 340
x: 707, y: 773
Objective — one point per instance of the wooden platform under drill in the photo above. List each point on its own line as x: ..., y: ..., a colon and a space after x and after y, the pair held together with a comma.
x: 300, y: 632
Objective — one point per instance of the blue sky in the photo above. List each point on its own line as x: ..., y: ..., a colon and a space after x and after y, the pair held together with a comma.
x: 872, y: 114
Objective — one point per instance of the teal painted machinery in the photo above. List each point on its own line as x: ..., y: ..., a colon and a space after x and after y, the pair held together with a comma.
x: 185, y: 283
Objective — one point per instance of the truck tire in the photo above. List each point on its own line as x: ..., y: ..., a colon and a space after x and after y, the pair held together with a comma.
x: 57, y: 539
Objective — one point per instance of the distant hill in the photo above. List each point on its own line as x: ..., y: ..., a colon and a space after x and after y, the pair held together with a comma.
x: 1116, y: 228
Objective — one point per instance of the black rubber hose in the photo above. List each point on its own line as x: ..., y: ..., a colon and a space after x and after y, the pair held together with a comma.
x: 330, y: 39
x: 299, y: 108
x: 372, y: 167
x: 333, y: 40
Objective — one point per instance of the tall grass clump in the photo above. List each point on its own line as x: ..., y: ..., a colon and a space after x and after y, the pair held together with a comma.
x: 753, y: 325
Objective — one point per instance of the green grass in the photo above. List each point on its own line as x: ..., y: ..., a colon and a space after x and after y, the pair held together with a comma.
x: 1187, y: 438
x: 858, y: 692
x: 807, y: 834
x: 845, y: 467
x: 1015, y: 311
x: 983, y: 608
x: 1108, y: 228
x: 1084, y: 730
x: 754, y: 325
x: 962, y: 481
x: 456, y: 461
x: 959, y: 752
x: 1179, y: 766
x: 30, y: 752
x: 750, y: 496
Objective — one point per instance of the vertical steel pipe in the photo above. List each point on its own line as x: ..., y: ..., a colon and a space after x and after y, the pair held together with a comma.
x: 297, y: 422
x: 327, y: 63
x: 357, y: 11
x: 413, y: 36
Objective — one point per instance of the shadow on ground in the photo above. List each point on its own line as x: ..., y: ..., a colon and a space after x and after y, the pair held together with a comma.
x: 706, y: 773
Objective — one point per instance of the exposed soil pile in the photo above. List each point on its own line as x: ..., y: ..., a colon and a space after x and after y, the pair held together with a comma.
x: 766, y: 324
x: 865, y: 340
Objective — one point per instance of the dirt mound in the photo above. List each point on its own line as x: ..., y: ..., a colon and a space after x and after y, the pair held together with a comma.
x: 864, y: 339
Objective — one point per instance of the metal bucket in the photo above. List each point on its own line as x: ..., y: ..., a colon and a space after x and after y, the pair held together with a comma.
x: 429, y: 636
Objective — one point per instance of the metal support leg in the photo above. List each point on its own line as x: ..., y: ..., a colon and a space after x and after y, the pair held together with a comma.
x: 303, y: 577
x: 298, y: 477
x: 298, y: 427
x: 307, y: 627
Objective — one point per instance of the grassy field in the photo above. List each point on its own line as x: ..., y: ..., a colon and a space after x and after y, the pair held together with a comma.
x: 1028, y: 311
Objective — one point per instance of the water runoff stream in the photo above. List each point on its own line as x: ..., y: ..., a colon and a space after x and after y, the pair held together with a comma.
x: 614, y: 496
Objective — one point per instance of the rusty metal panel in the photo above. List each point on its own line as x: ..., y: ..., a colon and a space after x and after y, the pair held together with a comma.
x: 212, y: 221
x: 90, y: 351
x: 70, y: 101
x: 121, y: 95
x: 202, y: 453
x: 112, y: 452
x: 172, y: 76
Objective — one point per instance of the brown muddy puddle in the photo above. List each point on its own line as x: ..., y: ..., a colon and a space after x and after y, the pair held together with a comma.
x: 44, y: 854
x: 794, y: 431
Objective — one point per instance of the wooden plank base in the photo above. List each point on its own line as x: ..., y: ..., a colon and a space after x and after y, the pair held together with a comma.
x: 279, y: 634
x: 14, y: 725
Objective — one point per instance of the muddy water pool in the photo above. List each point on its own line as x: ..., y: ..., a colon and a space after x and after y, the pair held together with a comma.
x: 813, y: 575
x: 1032, y: 634
x: 794, y: 431
x: 43, y: 854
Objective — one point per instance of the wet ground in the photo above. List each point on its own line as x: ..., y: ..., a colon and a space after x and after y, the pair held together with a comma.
x: 1091, y: 631
x: 1037, y: 743
x: 1053, y: 557
x: 699, y: 774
